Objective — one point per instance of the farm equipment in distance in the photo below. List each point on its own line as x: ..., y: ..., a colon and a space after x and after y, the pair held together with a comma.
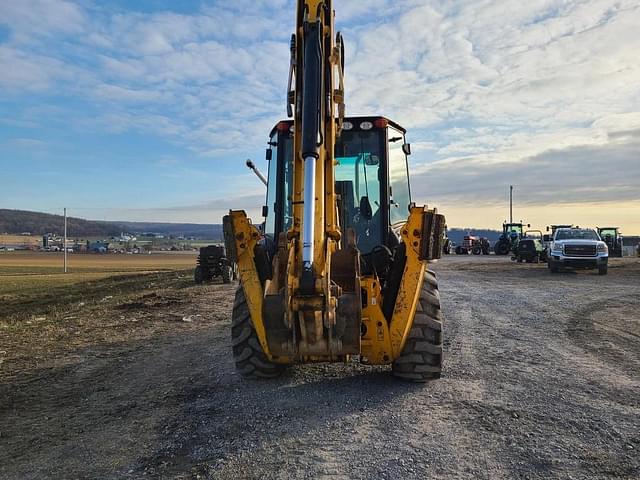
x: 531, y: 248
x: 213, y: 262
x: 447, y: 244
x: 613, y: 238
x: 475, y: 245
x: 508, y: 241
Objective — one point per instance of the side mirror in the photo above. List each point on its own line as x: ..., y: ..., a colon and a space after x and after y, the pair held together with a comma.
x: 365, y: 208
x: 268, y: 154
x: 265, y: 211
x: 547, y: 228
x: 528, y: 225
x: 406, y: 148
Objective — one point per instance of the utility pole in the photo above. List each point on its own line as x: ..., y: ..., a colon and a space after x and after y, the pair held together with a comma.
x: 64, y: 242
x: 510, y: 203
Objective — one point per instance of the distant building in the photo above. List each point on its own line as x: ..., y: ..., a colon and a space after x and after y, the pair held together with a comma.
x: 99, y: 246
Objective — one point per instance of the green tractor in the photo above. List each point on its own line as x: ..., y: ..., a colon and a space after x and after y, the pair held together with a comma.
x: 213, y: 262
x: 531, y: 248
x: 508, y: 241
x: 613, y: 238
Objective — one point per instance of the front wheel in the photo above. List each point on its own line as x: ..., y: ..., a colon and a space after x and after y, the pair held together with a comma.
x: 603, y: 269
x: 249, y: 357
x: 227, y: 274
x: 502, y: 248
x: 553, y: 268
x: 421, y: 357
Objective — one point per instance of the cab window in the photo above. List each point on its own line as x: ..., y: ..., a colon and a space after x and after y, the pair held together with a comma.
x: 272, y: 182
x: 358, y: 183
x: 400, y: 196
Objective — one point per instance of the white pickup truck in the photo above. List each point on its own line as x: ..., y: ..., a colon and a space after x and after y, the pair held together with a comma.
x: 577, y: 248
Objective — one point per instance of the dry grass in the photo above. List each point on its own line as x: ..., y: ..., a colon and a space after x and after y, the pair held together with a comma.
x: 19, y: 240
x: 38, y: 263
x: 33, y: 283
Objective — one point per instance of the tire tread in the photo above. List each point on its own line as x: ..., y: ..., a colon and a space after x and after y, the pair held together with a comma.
x: 421, y: 357
x: 250, y: 359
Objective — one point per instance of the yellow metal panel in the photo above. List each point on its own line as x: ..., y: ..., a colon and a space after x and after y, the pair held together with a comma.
x: 409, y: 292
x: 312, y: 8
x: 246, y: 237
x: 375, y: 344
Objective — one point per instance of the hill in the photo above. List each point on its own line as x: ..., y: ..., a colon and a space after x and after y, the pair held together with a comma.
x: 197, y: 230
x: 37, y: 223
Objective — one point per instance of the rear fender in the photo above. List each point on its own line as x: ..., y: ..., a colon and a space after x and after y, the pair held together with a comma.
x: 422, y: 235
x: 241, y: 238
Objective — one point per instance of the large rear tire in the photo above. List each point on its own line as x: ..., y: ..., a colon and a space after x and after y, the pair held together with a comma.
x: 227, y: 274
x: 250, y: 359
x: 421, y: 357
x: 198, y: 275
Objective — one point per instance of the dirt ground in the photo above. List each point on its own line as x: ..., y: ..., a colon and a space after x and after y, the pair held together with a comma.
x: 541, y: 380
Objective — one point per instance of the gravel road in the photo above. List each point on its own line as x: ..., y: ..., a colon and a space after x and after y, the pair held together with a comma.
x: 541, y: 380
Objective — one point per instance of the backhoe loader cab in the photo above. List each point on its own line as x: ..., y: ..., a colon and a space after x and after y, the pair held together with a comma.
x: 371, y: 178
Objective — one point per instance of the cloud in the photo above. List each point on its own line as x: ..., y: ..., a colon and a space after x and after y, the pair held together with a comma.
x: 577, y: 174
x: 205, y: 212
x: 492, y: 93
x: 42, y: 18
x: 22, y: 72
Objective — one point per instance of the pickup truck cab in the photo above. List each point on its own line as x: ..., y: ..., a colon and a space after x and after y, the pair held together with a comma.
x: 577, y: 248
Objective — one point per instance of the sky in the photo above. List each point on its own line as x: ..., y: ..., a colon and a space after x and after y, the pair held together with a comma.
x: 147, y: 110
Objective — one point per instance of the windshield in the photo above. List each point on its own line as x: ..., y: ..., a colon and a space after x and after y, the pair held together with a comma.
x: 576, y: 234
x: 357, y: 181
x: 514, y: 229
x: 359, y: 159
x: 607, y: 232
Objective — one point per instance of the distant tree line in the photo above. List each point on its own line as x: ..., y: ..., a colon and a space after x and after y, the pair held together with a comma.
x: 20, y: 221
x: 36, y: 223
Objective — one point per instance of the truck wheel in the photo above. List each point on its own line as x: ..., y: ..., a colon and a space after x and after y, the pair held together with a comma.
x: 421, y: 357
x: 476, y: 250
x: 248, y: 355
x: 227, y: 273
x: 553, y: 268
x: 198, y: 274
x: 602, y: 269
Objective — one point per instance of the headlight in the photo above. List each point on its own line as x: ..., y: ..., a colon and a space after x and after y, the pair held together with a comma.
x: 557, y: 247
x: 602, y: 248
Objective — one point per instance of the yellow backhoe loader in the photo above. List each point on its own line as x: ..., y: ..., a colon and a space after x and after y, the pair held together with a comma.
x: 339, y: 267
